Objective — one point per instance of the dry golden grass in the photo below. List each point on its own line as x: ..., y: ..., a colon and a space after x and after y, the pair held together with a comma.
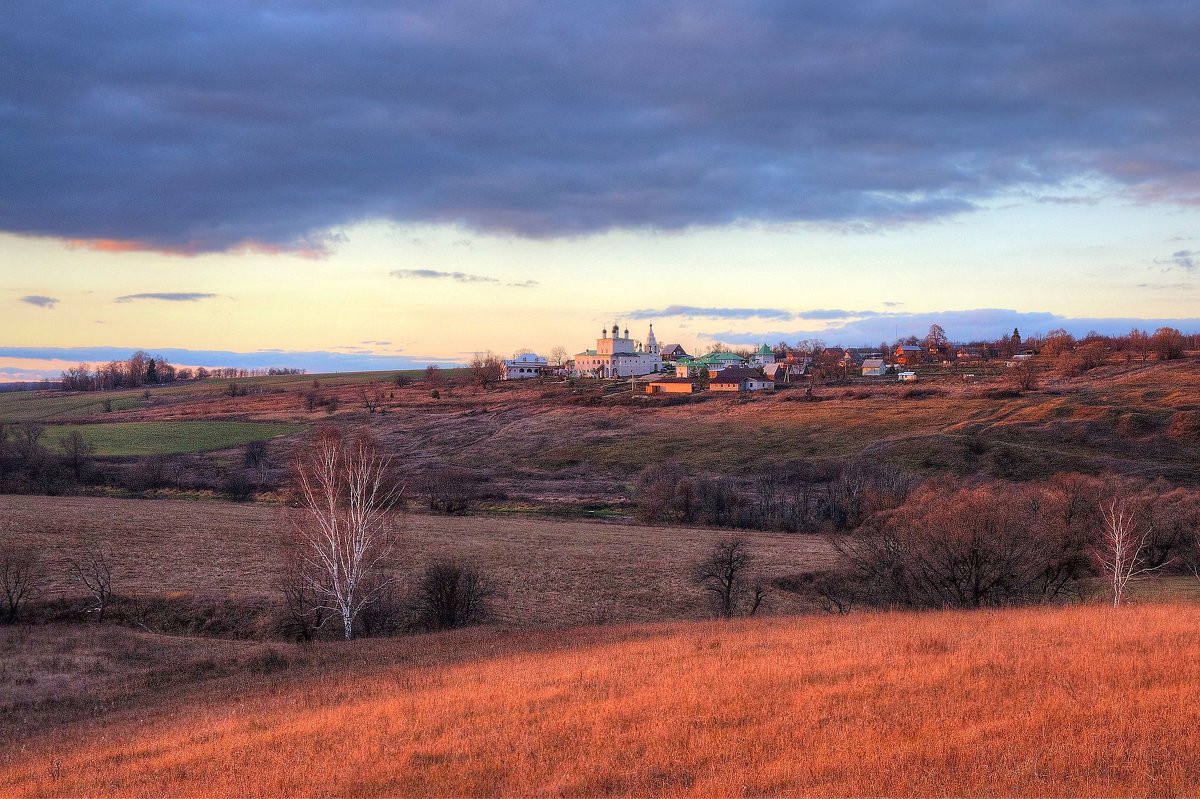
x: 547, y: 573
x: 1078, y: 701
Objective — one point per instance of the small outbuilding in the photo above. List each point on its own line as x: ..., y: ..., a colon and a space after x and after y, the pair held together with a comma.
x: 874, y: 367
x: 671, y: 385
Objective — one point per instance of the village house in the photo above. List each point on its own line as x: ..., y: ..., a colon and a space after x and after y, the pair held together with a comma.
x: 673, y: 352
x: 740, y: 378
x: 717, y: 362
x: 523, y: 366
x: 907, y: 377
x: 874, y: 367
x: 712, y: 364
x: 908, y: 354
x: 785, y: 372
x: 619, y: 356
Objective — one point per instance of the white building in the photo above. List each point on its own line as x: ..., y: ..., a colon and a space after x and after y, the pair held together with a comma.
x: 523, y: 366
x: 763, y: 356
x: 619, y: 356
x: 874, y: 367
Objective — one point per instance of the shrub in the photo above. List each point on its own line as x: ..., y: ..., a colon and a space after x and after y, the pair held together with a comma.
x: 449, y: 490
x: 451, y: 595
x: 237, y: 485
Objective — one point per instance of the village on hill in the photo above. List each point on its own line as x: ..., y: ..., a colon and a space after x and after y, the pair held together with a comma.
x: 669, y: 369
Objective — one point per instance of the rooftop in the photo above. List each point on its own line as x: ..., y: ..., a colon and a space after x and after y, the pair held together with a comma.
x: 736, y: 374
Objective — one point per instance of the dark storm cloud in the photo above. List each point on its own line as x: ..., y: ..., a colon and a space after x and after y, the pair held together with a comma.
x: 40, y: 300
x: 166, y: 296
x: 198, y: 126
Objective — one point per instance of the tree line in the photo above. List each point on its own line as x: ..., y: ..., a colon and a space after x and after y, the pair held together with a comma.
x: 142, y: 369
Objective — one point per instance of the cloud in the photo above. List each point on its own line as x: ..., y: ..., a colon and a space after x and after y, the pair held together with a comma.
x: 833, y: 313
x: 984, y: 324
x: 40, y: 300
x: 316, y: 361
x: 433, y: 274
x: 523, y: 284
x: 1180, y: 259
x: 710, y: 313
x: 691, y: 311
x: 122, y: 132
x: 166, y: 296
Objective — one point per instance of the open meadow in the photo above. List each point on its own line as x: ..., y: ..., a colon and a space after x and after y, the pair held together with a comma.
x: 1039, y: 702
x: 546, y: 572
x: 598, y: 668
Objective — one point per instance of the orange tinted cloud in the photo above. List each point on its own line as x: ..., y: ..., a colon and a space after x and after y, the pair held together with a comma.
x: 311, y: 248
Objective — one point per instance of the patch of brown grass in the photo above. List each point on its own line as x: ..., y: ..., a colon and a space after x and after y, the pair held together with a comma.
x: 547, y: 573
x: 1078, y: 701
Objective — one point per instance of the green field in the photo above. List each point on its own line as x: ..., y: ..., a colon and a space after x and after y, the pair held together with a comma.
x: 169, y: 438
x: 22, y: 406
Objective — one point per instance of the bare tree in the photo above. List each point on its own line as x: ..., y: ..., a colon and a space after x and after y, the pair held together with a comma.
x: 558, y: 355
x: 256, y: 458
x: 370, y: 400
x: 723, y: 575
x: 21, y: 578
x: 1168, y: 343
x: 485, y: 369
x: 303, y: 613
x: 345, y: 498
x: 433, y: 376
x: 1023, y: 376
x: 1121, y: 552
x: 93, y: 568
x: 936, y: 337
x: 77, y: 454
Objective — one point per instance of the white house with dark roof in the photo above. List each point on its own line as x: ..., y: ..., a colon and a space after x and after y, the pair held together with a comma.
x: 740, y: 378
x: 522, y: 367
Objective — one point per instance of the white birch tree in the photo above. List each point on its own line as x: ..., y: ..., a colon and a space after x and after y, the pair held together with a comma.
x: 1120, y: 553
x: 344, y: 523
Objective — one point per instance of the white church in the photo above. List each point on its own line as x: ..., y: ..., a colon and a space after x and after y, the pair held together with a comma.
x: 619, y: 356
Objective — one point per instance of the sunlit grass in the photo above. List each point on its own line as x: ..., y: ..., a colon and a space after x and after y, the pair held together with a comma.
x: 1037, y: 702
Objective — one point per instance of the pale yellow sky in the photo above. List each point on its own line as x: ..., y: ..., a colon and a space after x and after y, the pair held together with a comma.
x: 1111, y: 259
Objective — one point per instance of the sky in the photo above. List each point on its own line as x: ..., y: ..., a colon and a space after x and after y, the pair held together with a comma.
x: 382, y: 184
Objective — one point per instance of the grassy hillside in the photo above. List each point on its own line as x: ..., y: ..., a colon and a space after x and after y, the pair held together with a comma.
x: 170, y: 438
x: 1036, y: 702
x: 55, y: 405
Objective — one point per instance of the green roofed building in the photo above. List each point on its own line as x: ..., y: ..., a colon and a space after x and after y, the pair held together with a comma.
x: 763, y: 356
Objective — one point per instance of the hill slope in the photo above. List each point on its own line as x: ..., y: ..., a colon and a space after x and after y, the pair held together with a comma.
x: 1031, y: 702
